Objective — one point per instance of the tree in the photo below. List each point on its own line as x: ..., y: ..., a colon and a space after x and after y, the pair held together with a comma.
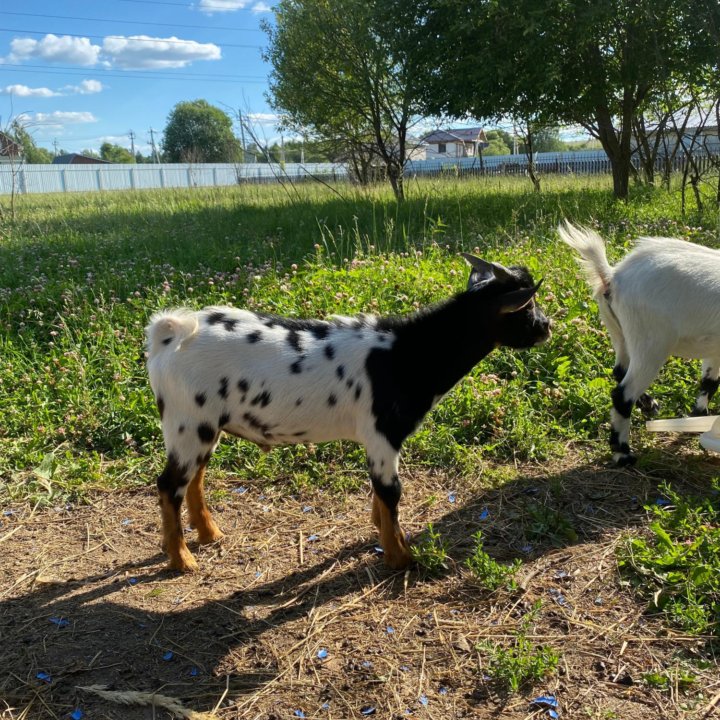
x: 500, y: 143
x: 341, y: 72
x: 32, y: 154
x: 199, y: 132
x: 593, y: 63
x: 116, y: 153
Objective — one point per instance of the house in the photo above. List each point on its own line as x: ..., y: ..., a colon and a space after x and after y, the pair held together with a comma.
x: 78, y: 159
x: 10, y: 151
x: 455, y: 143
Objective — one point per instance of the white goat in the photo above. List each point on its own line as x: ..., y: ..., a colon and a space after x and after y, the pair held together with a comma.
x: 662, y: 299
x: 274, y: 380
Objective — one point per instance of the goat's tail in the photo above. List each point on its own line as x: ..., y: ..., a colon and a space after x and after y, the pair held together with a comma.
x: 591, y: 248
x: 168, y: 329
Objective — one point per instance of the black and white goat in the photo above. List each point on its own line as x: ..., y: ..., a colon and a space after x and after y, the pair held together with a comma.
x: 276, y: 380
x: 662, y: 299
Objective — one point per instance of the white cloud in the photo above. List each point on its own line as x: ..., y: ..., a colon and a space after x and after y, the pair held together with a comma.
x: 260, y: 7
x: 52, y: 48
x: 25, y: 91
x: 142, y: 51
x: 221, y: 6
x: 86, y: 87
x: 60, y: 118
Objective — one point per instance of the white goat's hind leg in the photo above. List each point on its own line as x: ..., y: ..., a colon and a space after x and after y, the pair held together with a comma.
x: 200, y: 517
x: 709, y: 382
x: 383, y: 464
x: 641, y: 372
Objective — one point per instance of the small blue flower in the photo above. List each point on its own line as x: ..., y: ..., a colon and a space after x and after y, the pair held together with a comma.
x: 307, y: 509
x: 45, y: 677
x: 367, y: 664
x: 133, y: 580
x: 553, y: 714
x: 77, y: 714
x: 194, y: 672
x: 322, y: 653
x: 484, y: 514
x: 313, y: 538
x: 443, y: 690
x: 60, y: 622
x: 239, y: 490
x: 325, y: 706
x: 423, y: 700
x: 299, y: 713
x: 452, y: 497
x: 168, y: 655
x: 545, y: 701
x: 527, y: 548
x: 389, y: 629
x: 126, y: 522
x: 379, y: 550
x: 662, y: 502
x: 367, y: 710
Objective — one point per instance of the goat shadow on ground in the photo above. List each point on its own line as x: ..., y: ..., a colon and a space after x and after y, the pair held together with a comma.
x: 111, y: 644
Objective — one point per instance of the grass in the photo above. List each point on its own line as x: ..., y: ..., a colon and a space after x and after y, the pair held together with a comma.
x: 80, y: 276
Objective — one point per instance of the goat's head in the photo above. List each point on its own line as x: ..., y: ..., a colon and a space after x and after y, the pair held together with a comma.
x: 518, y: 320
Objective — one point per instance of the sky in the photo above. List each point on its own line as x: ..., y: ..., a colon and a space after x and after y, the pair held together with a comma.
x: 79, y: 72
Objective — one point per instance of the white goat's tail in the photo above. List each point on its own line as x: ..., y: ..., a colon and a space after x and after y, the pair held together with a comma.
x: 593, y: 260
x: 168, y: 329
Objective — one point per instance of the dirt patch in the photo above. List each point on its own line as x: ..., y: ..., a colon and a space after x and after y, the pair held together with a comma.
x: 294, y: 611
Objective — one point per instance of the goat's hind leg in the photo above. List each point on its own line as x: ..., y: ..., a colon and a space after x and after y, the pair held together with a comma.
x: 171, y: 484
x: 200, y: 517
x: 640, y: 374
x: 708, y: 386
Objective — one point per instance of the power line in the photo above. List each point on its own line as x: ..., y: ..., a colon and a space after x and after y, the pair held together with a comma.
x: 143, y: 75
x: 133, y: 22
x: 139, y: 74
x: 179, y: 4
x: 135, y: 39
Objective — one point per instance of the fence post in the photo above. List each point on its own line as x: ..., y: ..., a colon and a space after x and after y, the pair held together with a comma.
x: 132, y: 178
x: 63, y: 182
x: 99, y: 179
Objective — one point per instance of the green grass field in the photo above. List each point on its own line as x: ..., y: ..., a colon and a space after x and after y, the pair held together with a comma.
x: 80, y: 276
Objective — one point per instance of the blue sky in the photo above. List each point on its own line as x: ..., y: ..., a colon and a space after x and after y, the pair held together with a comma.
x: 81, y: 73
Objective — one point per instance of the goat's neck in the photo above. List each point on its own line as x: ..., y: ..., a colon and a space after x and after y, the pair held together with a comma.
x: 446, y: 341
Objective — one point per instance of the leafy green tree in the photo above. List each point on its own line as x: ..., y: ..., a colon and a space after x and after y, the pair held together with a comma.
x: 199, y: 132
x: 116, y: 153
x: 341, y: 72
x: 594, y: 63
x: 32, y: 154
x: 500, y: 143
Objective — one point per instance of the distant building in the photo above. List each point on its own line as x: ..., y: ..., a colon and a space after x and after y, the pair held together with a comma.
x: 78, y: 159
x: 10, y: 151
x: 455, y: 143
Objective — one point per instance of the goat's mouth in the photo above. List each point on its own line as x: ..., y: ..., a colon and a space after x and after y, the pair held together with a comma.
x: 544, y: 338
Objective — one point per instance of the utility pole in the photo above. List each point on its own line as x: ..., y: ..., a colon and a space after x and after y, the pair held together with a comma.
x: 154, y: 149
x: 282, y: 149
x: 55, y: 145
x: 131, y: 134
x: 242, y: 136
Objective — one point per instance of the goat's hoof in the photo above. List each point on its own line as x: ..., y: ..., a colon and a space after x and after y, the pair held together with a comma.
x: 648, y: 406
x: 185, y: 562
x: 624, y: 459
x: 699, y: 412
x: 210, y: 536
x: 398, y: 560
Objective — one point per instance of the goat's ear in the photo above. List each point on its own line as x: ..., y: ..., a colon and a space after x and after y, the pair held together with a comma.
x: 501, y: 272
x: 482, y: 271
x: 517, y: 299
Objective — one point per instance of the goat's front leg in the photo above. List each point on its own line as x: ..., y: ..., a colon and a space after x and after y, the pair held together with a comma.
x: 200, y: 517
x: 708, y: 386
x: 640, y: 373
x: 383, y: 462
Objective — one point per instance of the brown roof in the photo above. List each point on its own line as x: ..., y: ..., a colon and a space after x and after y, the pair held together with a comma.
x: 468, y: 135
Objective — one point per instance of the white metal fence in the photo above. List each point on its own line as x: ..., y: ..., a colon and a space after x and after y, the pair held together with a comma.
x: 23, y: 178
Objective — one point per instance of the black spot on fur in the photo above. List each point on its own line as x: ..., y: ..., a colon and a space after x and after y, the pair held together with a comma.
x: 230, y: 323
x: 320, y: 331
x: 709, y: 387
x: 619, y: 373
x: 224, y: 420
x: 388, y: 494
x: 167, y: 341
x: 253, y: 337
x: 296, y: 367
x: 358, y: 391
x: 161, y: 406
x: 270, y: 324
x: 215, y: 318
x: 181, y: 429
x: 223, y: 391
x: 349, y: 382
x: 206, y: 433
x: 623, y: 406
x: 172, y: 478
x: 329, y: 352
x: 332, y: 400
x: 340, y: 372
x: 200, y: 399
x: 256, y: 424
x: 300, y: 433
x: 293, y: 338
x: 298, y: 402
x: 263, y: 398
x: 243, y: 385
